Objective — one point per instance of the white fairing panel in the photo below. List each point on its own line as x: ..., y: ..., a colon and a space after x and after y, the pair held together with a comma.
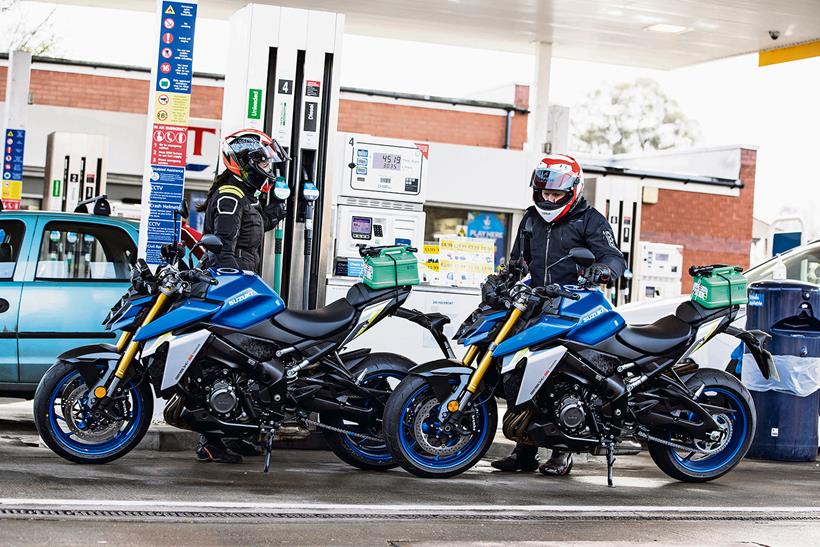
x: 181, y: 353
x: 539, y: 366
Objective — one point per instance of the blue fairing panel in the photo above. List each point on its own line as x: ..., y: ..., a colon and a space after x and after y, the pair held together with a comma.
x: 247, y: 299
x: 131, y: 313
x: 483, y: 329
x: 588, y: 320
x: 549, y: 327
x: 188, y: 312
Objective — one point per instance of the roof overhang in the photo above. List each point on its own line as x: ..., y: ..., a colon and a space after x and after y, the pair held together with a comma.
x: 588, y: 30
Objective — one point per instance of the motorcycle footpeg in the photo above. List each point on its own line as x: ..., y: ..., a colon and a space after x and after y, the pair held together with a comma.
x: 624, y: 448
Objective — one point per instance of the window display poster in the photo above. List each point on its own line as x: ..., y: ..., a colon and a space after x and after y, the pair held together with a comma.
x: 428, y: 264
x: 465, y: 261
x: 486, y: 225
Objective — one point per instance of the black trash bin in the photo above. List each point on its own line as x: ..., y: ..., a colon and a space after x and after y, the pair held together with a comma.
x: 786, y: 422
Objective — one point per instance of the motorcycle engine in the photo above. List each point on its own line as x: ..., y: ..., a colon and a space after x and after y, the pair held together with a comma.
x: 222, y: 399
x: 570, y: 408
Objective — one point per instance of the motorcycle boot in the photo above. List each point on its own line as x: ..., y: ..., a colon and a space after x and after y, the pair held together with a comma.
x: 559, y: 464
x: 523, y: 458
x: 212, y: 449
x: 243, y: 447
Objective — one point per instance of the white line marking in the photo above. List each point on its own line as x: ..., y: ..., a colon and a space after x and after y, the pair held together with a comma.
x: 156, y: 505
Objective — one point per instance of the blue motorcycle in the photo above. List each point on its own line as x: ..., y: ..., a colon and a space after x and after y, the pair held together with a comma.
x: 576, y: 378
x: 231, y: 359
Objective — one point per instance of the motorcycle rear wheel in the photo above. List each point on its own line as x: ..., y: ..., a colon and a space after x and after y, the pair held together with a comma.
x: 383, y: 371
x: 722, y: 389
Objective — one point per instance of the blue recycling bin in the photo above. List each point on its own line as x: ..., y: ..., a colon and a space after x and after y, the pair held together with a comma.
x: 787, y: 410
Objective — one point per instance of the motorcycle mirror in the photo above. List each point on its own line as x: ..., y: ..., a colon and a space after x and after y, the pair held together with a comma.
x: 582, y: 256
x: 183, y: 210
x: 211, y: 243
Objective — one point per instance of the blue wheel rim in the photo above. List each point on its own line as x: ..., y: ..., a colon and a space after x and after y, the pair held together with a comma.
x: 364, y: 448
x: 110, y: 446
x: 740, y: 422
x: 423, y: 459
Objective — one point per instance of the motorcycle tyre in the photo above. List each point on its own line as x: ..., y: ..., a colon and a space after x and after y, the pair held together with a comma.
x: 712, y: 378
x: 42, y: 398
x: 374, y: 363
x: 392, y: 430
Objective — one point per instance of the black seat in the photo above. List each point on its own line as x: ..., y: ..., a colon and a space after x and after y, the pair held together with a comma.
x: 360, y: 294
x: 319, y: 323
x: 695, y: 314
x: 658, y: 338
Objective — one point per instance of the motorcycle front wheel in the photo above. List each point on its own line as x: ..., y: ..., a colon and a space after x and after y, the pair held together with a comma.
x: 422, y: 445
x: 707, y: 460
x: 73, y: 431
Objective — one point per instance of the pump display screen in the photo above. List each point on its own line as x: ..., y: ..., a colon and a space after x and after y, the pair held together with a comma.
x: 360, y: 227
x: 390, y: 162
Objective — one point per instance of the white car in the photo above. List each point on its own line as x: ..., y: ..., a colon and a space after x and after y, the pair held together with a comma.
x: 802, y: 264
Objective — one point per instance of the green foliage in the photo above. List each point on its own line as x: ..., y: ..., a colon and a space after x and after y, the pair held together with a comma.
x: 630, y: 117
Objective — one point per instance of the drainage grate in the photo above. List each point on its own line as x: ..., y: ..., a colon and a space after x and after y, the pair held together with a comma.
x: 60, y: 514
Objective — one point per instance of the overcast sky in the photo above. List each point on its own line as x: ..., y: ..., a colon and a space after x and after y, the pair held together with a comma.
x: 775, y: 108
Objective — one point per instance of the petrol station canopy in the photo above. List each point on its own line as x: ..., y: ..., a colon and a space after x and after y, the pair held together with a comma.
x: 662, y: 34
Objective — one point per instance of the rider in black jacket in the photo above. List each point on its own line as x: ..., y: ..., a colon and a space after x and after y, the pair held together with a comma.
x: 233, y: 212
x: 232, y: 209
x: 559, y: 220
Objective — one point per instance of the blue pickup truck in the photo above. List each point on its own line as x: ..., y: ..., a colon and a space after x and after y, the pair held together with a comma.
x: 60, y: 273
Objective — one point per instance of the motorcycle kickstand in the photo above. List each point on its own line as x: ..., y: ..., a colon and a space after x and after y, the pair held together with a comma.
x: 610, y: 463
x: 269, y: 438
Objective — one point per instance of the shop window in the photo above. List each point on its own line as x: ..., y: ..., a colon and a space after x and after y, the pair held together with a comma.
x: 11, y: 238
x: 448, y: 221
x: 85, y: 252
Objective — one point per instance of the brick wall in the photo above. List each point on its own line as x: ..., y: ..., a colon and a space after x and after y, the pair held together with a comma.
x: 383, y: 119
x: 430, y: 124
x: 712, y: 229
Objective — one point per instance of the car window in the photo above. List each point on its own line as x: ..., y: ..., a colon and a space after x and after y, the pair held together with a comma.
x: 801, y: 265
x: 83, y: 251
x: 11, y: 239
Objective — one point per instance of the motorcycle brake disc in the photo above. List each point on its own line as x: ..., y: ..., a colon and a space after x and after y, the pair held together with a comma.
x: 424, y: 439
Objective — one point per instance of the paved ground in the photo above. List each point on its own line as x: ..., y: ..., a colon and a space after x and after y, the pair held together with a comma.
x: 311, y: 498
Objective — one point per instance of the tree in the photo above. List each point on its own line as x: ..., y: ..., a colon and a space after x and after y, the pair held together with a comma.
x: 630, y: 117
x: 19, y: 33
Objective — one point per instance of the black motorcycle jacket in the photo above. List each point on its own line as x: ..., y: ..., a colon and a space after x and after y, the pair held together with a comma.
x: 541, y: 243
x: 237, y: 218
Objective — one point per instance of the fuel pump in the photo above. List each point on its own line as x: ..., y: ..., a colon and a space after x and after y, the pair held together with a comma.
x: 285, y: 81
x: 281, y: 192
x: 310, y: 193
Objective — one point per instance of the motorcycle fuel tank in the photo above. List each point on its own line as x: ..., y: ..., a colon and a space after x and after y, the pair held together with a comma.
x: 588, y: 320
x: 246, y: 298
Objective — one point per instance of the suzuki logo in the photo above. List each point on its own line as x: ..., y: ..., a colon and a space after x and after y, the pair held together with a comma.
x: 241, y: 297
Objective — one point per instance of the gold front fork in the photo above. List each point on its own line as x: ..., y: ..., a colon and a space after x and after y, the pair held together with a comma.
x: 123, y: 341
x: 475, y: 379
x: 128, y: 356
x: 470, y: 356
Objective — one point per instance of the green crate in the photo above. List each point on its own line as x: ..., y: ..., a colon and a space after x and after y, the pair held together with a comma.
x: 390, y: 267
x: 718, y: 286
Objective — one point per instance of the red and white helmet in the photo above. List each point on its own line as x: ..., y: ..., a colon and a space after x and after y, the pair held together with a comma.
x: 557, y: 173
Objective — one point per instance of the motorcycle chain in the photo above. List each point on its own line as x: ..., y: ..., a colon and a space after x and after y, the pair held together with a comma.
x: 678, y: 446
x: 343, y: 431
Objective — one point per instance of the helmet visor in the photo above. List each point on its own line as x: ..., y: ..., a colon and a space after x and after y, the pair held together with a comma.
x: 549, y: 179
x: 268, y: 158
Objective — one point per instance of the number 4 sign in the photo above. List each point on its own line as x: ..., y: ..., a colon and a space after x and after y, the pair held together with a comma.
x: 286, y: 87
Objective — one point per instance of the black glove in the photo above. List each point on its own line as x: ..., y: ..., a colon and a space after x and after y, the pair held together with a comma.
x: 598, y: 274
x: 275, y: 211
